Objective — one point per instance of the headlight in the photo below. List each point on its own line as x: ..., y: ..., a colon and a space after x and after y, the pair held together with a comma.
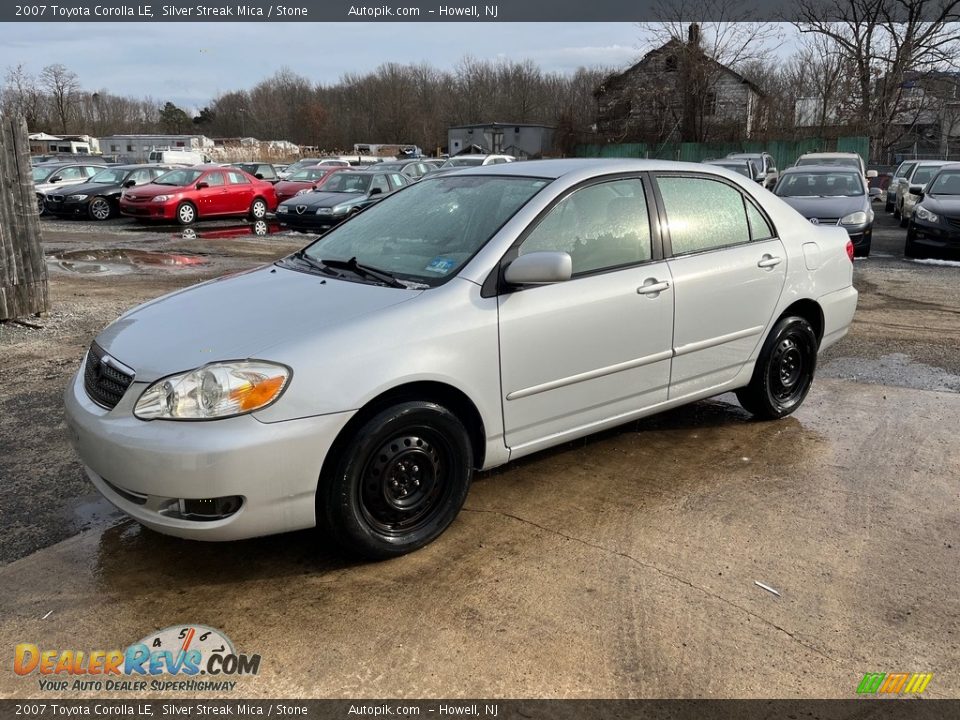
x: 164, y: 198
x: 324, y: 211
x: 214, y: 391
x: 303, y: 192
x: 925, y: 214
x: 77, y: 198
x: 283, y: 209
x: 857, y: 218
x: 340, y: 209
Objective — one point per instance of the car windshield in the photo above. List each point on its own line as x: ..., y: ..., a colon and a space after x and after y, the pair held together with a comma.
x: 111, y: 176
x: 425, y: 233
x: 843, y: 161
x: 179, y: 178
x: 463, y: 162
x: 300, y: 164
x: 923, y: 174
x: 946, y: 183
x: 347, y: 182
x: 309, y: 174
x: 391, y: 167
x: 820, y: 184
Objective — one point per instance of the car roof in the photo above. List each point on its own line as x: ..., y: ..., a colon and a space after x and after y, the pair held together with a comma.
x: 935, y: 162
x: 820, y: 168
x: 830, y: 155
x: 558, y: 168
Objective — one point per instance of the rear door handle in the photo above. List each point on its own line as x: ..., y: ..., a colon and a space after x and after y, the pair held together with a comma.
x: 769, y: 261
x: 653, y: 287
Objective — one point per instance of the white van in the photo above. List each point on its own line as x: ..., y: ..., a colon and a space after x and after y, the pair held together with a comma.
x: 176, y: 157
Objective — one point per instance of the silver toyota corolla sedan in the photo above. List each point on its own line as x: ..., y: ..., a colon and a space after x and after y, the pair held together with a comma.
x: 462, y: 322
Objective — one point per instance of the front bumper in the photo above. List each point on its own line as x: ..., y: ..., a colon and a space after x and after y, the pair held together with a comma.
x: 149, y: 210
x: 944, y: 235
x: 146, y: 467
x: 860, y: 235
x: 67, y: 209
x: 309, y: 221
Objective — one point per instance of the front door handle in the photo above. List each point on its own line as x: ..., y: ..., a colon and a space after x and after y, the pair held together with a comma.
x: 652, y: 287
x: 769, y: 261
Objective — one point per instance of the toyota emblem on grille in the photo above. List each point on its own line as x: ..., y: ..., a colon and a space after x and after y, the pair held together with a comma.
x: 815, y: 221
x: 301, y: 209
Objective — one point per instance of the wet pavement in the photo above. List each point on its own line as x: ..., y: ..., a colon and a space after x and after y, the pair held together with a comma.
x: 623, y: 566
x: 619, y: 566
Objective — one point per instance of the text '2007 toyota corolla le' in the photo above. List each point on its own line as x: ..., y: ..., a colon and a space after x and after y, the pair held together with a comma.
x: 460, y: 323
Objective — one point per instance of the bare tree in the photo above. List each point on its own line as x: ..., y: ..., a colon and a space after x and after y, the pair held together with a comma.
x: 62, y: 86
x: 883, y: 41
x: 21, y: 96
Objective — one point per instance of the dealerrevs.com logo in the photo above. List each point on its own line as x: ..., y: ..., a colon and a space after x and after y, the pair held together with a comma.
x: 183, y: 651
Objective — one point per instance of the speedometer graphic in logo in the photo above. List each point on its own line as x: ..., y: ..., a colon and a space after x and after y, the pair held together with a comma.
x: 184, y: 638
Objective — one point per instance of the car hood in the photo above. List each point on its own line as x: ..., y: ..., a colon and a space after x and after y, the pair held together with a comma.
x: 827, y: 207
x: 237, y: 317
x: 151, y: 190
x: 321, y: 199
x: 93, y: 189
x: 948, y: 205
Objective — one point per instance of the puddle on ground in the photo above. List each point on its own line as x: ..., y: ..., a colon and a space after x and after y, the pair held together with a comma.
x: 259, y: 228
x: 120, y: 261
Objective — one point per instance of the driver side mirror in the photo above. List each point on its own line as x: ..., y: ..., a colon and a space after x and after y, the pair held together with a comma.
x: 259, y: 176
x: 539, y: 268
x: 55, y: 179
x: 871, y: 174
x: 201, y: 185
x: 376, y: 191
x: 130, y: 183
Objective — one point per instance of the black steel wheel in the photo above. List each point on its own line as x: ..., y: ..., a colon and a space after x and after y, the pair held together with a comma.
x: 400, y: 480
x: 784, y: 370
x: 99, y: 209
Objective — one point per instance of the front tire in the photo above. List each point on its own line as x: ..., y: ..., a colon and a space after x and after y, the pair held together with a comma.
x: 910, y: 247
x: 186, y: 213
x: 258, y: 210
x: 99, y: 209
x: 784, y: 371
x: 398, y: 482
x: 41, y: 205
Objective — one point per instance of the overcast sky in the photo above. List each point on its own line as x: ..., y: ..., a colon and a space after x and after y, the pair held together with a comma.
x: 189, y: 63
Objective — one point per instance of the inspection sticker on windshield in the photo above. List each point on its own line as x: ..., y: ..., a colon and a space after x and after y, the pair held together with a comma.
x: 440, y: 265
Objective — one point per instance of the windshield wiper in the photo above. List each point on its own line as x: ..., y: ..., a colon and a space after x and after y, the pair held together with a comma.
x: 365, y: 271
x: 313, y: 262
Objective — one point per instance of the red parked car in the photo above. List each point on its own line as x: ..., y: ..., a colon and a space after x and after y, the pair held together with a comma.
x: 305, y: 180
x: 201, y: 191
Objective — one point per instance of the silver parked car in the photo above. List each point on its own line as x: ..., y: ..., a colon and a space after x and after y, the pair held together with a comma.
x: 463, y: 322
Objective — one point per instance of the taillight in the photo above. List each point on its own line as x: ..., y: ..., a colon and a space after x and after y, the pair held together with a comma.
x: 850, y: 250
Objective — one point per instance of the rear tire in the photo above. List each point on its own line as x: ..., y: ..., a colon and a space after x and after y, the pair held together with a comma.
x: 904, y: 221
x: 398, y: 482
x: 258, y: 209
x: 784, y: 370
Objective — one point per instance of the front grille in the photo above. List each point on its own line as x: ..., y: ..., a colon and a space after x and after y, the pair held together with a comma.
x: 103, y: 380
x: 828, y: 221
x: 55, y: 198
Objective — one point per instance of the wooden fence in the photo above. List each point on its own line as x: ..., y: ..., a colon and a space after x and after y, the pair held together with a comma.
x: 23, y: 274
